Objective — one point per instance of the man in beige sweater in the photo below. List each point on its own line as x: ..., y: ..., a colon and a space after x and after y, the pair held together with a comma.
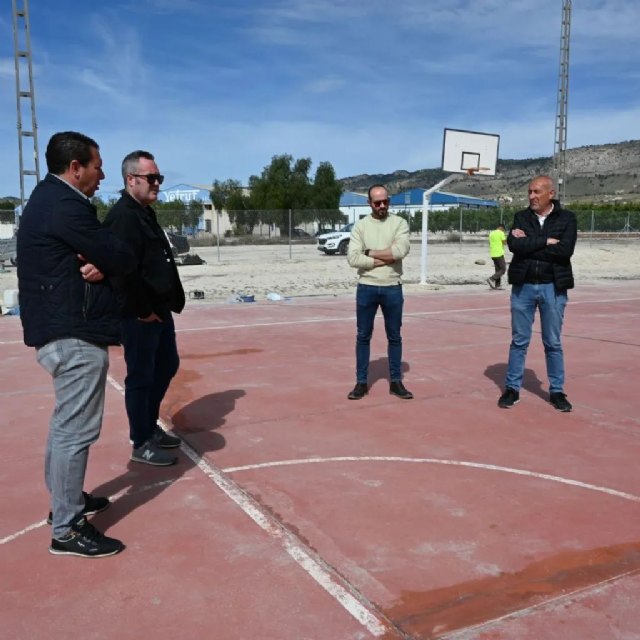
x: 377, y: 246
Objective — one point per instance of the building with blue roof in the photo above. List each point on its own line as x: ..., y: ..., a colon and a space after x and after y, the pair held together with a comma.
x: 355, y: 205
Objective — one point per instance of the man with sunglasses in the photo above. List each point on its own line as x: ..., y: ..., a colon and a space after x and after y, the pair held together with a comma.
x: 149, y: 297
x: 377, y: 246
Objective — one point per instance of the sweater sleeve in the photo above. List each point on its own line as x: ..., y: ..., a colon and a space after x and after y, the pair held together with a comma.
x: 400, y: 245
x: 355, y: 254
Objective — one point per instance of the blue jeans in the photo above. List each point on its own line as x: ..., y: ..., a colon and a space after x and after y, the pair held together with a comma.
x: 79, y: 372
x: 390, y: 300
x: 524, y: 301
x: 151, y: 354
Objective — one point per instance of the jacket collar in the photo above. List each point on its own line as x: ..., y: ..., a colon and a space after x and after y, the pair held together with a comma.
x: 52, y: 177
x: 556, y: 207
x: 134, y: 204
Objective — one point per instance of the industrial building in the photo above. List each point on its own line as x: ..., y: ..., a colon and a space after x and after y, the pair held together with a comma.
x: 355, y: 205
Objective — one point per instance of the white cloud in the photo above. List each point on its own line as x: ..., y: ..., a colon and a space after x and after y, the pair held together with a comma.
x: 7, y: 68
x: 327, y: 84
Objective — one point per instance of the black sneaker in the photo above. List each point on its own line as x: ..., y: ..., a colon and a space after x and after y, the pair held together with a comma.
x: 491, y: 283
x: 508, y: 398
x: 398, y: 389
x: 165, y: 440
x: 92, y: 504
x: 358, y: 392
x: 560, y: 402
x: 151, y: 453
x: 86, y: 541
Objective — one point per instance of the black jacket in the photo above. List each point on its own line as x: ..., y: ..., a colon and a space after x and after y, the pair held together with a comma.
x: 155, y: 284
x: 55, y: 301
x: 534, y: 261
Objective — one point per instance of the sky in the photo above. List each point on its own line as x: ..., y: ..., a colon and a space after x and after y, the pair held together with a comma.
x: 216, y: 88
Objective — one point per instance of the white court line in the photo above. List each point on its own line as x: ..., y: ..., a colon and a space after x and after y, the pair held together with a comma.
x: 314, y: 566
x: 454, y: 463
x: 113, y: 498
x: 266, y: 324
x: 354, y: 603
x: 282, y: 323
x: 17, y: 534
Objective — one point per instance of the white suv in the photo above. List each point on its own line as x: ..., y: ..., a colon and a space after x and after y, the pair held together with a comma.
x: 335, y: 241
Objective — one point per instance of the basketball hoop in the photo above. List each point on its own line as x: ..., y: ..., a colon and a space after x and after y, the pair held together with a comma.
x: 470, y: 152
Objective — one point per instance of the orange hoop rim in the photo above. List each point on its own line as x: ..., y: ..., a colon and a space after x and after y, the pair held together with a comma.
x: 473, y: 170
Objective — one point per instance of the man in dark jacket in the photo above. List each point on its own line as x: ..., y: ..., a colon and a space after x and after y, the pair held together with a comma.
x: 150, y: 294
x: 69, y: 313
x: 542, y: 241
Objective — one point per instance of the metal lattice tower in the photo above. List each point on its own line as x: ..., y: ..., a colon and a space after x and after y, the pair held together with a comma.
x: 560, y: 148
x: 25, y: 97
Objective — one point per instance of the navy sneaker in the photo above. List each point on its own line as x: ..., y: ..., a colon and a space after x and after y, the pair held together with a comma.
x: 151, y: 453
x: 165, y: 440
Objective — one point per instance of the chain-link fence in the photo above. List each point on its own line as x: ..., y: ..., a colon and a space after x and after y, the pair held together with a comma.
x: 294, y: 227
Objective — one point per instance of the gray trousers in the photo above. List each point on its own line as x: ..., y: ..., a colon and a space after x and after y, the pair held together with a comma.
x: 79, y: 372
x: 500, y: 268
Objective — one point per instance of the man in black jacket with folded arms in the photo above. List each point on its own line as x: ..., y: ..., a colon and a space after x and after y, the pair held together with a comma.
x: 542, y: 241
x: 69, y: 313
x: 150, y: 295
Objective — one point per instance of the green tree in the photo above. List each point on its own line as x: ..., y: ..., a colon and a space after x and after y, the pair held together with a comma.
x: 102, y: 207
x: 282, y: 185
x: 325, y: 195
x: 231, y: 195
x: 171, y: 214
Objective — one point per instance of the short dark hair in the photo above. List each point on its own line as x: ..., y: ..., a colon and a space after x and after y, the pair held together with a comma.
x: 66, y: 146
x: 376, y: 186
x: 130, y: 162
x: 501, y: 226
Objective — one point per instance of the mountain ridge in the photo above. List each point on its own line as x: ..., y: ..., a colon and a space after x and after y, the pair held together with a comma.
x: 595, y: 173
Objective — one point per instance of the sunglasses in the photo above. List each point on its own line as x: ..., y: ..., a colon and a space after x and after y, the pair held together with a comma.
x: 151, y: 178
x: 377, y: 203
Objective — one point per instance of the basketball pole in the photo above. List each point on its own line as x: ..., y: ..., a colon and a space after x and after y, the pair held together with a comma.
x: 426, y: 201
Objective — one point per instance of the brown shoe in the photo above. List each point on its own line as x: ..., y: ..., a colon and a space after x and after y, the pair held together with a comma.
x: 358, y: 392
x: 398, y: 389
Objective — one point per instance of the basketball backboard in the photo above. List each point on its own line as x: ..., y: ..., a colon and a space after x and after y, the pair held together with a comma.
x: 470, y: 152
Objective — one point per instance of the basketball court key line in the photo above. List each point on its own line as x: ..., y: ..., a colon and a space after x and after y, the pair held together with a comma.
x: 355, y: 603
x: 454, y: 463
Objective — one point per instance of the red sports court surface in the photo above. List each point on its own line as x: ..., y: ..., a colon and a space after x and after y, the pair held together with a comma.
x: 295, y: 513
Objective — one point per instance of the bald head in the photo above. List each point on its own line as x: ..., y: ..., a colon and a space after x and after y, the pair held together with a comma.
x: 541, y: 193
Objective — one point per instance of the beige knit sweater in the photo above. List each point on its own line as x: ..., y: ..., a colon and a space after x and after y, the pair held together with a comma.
x: 370, y: 233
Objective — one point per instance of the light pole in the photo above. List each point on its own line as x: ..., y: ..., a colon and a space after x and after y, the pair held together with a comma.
x: 426, y: 200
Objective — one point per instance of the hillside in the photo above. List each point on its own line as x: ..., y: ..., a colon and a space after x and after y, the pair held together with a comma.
x: 594, y: 173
